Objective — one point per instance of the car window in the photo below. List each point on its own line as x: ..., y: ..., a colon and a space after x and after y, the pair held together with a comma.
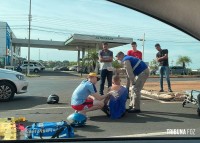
x: 64, y: 31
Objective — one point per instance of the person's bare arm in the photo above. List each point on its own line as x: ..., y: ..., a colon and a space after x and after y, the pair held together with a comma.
x: 162, y: 58
x: 110, y: 59
x: 99, y: 97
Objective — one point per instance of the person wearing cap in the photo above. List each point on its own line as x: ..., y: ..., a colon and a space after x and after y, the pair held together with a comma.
x: 105, y: 59
x: 134, y: 67
x: 162, y: 58
x: 85, y: 97
x: 135, y: 53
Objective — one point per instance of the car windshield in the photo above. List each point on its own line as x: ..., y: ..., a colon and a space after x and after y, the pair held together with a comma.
x: 98, y: 70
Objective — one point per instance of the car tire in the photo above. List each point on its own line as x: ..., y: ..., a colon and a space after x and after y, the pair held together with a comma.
x: 36, y: 70
x: 7, y: 91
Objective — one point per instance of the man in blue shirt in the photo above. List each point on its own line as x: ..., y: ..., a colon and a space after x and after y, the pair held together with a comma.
x: 134, y: 67
x: 85, y: 97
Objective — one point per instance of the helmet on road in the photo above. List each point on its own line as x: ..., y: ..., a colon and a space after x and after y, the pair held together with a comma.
x: 52, y: 99
x: 77, y: 119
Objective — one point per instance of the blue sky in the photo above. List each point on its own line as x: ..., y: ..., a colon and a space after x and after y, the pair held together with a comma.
x: 58, y: 19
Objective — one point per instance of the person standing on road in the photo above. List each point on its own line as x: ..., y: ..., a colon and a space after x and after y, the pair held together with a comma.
x: 85, y: 97
x: 134, y: 53
x: 105, y: 59
x: 134, y: 67
x: 162, y: 58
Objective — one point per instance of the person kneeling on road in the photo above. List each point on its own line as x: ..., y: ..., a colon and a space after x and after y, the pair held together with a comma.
x: 85, y: 97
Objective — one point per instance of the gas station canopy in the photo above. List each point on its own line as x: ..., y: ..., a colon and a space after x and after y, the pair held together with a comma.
x: 95, y: 41
x: 75, y: 42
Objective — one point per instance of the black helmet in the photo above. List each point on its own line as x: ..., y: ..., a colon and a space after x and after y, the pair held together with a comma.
x: 52, y: 99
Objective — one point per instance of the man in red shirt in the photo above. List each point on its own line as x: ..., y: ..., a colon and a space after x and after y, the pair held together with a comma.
x: 134, y: 53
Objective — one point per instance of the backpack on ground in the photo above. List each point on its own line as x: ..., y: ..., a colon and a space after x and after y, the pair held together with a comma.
x: 48, y: 130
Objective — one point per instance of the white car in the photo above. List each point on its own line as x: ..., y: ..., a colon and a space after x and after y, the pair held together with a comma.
x: 32, y: 67
x: 73, y: 68
x: 11, y: 83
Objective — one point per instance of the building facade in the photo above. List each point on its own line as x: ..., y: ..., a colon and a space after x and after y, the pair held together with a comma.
x: 9, y: 55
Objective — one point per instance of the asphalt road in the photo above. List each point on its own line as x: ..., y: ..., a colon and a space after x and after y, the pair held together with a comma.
x: 157, y: 119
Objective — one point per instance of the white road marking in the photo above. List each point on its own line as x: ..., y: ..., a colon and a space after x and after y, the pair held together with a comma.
x: 144, y: 135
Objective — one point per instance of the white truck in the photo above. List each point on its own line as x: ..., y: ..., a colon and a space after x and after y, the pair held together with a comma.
x: 36, y: 63
x: 32, y: 68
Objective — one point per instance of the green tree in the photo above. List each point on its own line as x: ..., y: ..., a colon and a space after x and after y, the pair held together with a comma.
x: 91, y: 58
x: 183, y: 60
x: 153, y: 65
x: 116, y: 64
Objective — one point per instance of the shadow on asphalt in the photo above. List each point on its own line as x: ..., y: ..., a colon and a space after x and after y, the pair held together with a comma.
x: 22, y: 102
x: 89, y: 128
x: 143, y: 117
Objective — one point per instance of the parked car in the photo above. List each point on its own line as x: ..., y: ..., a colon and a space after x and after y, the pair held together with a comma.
x: 55, y: 68
x: 63, y: 69
x: 153, y: 72
x: 32, y: 67
x: 36, y: 63
x: 73, y: 68
x: 11, y: 83
x: 178, y: 70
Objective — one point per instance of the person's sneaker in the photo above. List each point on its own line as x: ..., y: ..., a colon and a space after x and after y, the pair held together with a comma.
x: 170, y: 90
x: 134, y: 110
x: 161, y: 90
x: 129, y: 107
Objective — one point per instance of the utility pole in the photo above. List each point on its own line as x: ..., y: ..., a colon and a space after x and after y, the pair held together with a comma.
x: 29, y: 36
x: 39, y: 54
x: 143, y: 39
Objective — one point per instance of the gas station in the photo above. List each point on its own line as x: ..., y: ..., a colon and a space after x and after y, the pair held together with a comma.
x: 77, y: 42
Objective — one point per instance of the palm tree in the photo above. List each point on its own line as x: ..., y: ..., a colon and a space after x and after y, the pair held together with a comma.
x: 183, y: 60
x: 91, y: 58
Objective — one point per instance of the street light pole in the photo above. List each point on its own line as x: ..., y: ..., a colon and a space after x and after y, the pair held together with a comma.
x: 143, y: 39
x: 29, y: 36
